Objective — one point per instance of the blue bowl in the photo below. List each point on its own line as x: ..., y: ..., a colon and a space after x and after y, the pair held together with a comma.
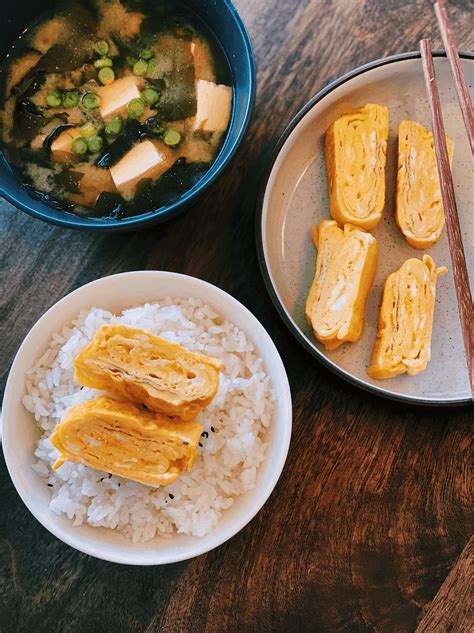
x: 222, y: 19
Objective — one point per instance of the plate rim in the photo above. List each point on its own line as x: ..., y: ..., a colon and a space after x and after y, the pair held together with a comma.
x: 264, y: 269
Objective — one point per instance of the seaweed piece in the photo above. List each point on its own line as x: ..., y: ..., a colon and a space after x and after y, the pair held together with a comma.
x: 174, y: 65
x: 27, y: 122
x: 178, y: 99
x: 163, y: 16
x: 69, y: 180
x: 74, y: 47
x: 184, y: 32
x: 30, y: 84
x: 109, y: 204
x: 39, y: 156
x: 133, y: 132
x: 29, y: 106
x: 28, y: 117
x: 62, y: 58
x: 48, y: 199
x: 154, y: 126
x: 53, y: 135
x: 170, y: 186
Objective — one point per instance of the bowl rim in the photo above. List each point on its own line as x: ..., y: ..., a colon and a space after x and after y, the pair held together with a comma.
x: 264, y: 268
x: 177, y: 207
x: 200, y: 545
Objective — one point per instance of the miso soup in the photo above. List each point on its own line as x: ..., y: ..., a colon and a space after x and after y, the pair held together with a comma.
x: 114, y: 107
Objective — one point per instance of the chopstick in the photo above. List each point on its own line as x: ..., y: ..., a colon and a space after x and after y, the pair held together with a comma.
x: 453, y: 229
x: 461, y: 85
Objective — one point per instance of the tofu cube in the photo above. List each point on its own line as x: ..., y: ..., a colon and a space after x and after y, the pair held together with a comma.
x: 115, y: 96
x: 203, y: 65
x: 61, y: 147
x: 214, y: 104
x: 144, y: 160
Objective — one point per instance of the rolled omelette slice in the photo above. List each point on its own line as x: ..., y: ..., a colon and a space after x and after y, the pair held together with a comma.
x: 119, y: 438
x: 356, y: 147
x: 345, y: 269
x: 420, y: 212
x: 144, y: 368
x: 403, y: 343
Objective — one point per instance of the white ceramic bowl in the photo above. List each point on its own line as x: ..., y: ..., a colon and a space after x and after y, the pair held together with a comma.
x: 20, y: 432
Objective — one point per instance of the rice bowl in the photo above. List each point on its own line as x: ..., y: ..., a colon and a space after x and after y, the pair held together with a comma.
x: 241, y: 452
x: 231, y: 449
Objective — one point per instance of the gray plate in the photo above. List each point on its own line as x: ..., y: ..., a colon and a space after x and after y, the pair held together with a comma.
x: 295, y: 197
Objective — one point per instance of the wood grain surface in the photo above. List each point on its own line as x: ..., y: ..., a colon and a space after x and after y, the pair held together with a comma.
x: 452, y: 608
x: 374, y: 506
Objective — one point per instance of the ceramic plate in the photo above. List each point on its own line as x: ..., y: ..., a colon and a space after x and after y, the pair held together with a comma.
x: 295, y: 197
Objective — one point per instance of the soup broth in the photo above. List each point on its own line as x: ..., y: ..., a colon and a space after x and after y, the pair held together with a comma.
x: 112, y: 107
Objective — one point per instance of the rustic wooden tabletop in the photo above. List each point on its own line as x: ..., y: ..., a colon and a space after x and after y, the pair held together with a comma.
x: 373, y: 509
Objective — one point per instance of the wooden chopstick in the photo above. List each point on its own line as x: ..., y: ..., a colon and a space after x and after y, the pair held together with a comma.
x: 464, y: 97
x: 458, y: 259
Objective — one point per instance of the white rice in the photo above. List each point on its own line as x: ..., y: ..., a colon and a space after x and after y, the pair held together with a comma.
x: 228, y: 460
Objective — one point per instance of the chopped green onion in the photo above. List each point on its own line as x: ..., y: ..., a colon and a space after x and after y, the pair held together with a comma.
x: 53, y: 99
x: 95, y: 144
x: 147, y: 53
x: 70, y: 99
x: 150, y: 95
x: 103, y: 62
x: 131, y: 61
x: 171, y: 137
x: 136, y: 108
x: 151, y: 66
x: 140, y: 67
x: 91, y: 101
x: 114, y: 127
x: 88, y: 130
x: 101, y: 47
x: 106, y: 76
x: 79, y: 146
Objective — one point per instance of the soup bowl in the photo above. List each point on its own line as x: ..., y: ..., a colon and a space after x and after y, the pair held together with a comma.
x: 222, y: 19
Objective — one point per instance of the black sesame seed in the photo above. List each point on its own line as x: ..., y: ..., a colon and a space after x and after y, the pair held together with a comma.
x: 51, y: 485
x: 213, y: 429
x: 110, y: 475
x: 118, y: 485
x: 185, y: 443
x: 200, y: 444
x: 171, y: 496
x: 204, y: 434
x: 101, y: 479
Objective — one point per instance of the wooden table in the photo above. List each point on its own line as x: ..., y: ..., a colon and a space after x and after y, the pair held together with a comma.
x: 373, y: 508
